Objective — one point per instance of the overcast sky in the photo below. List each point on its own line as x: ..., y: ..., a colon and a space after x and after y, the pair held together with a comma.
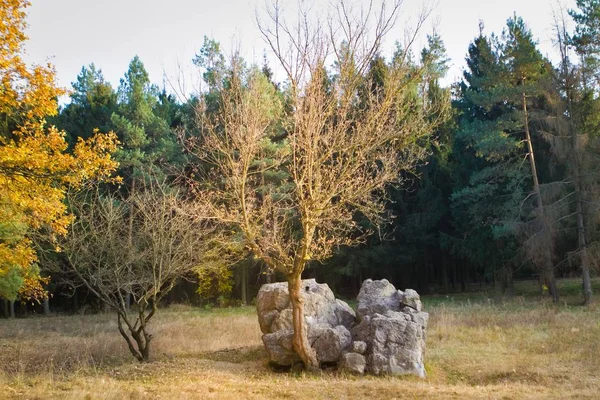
x: 73, y: 33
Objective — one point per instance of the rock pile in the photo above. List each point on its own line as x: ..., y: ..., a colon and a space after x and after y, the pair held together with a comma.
x: 385, y: 336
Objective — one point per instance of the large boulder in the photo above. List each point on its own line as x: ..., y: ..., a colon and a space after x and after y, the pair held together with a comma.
x: 388, y: 339
x: 328, y: 320
x: 377, y: 297
x: 395, y: 336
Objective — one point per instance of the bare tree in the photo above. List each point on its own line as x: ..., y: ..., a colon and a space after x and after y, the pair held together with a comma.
x: 343, y: 145
x: 574, y: 143
x: 139, y: 246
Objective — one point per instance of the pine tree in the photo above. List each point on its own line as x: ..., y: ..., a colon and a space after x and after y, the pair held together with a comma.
x: 93, y: 101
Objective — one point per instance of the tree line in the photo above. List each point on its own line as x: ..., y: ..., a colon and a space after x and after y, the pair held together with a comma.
x: 356, y: 165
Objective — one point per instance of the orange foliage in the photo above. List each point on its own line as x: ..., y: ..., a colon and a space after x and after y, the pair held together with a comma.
x: 35, y: 167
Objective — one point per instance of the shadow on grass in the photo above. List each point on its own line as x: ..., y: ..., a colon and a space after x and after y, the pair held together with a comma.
x: 238, y: 355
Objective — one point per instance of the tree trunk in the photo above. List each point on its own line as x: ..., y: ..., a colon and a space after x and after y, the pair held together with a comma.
x: 581, y: 237
x: 75, y: 301
x: 587, y: 281
x: 582, y: 234
x: 300, y: 340
x: 454, y: 278
x: 547, y: 268
x: 582, y: 247
x: 244, y: 284
x: 140, y: 336
x: 550, y: 280
x: 468, y: 277
x: 11, y: 306
x: 445, y: 274
x: 47, y: 307
x: 510, y: 283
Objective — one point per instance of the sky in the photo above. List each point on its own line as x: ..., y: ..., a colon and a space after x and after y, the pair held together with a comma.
x: 167, y: 34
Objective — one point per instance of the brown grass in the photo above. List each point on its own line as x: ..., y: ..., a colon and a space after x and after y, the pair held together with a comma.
x: 519, y: 349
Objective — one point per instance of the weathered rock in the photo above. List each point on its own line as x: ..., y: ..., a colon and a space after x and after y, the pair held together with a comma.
x: 328, y: 320
x: 329, y: 343
x: 353, y: 362
x: 397, y: 347
x: 359, y: 347
x: 265, y: 320
x: 271, y: 299
x: 377, y: 297
x: 419, y: 317
x: 410, y: 298
x: 320, y: 306
x: 279, y: 347
x: 395, y: 342
x: 282, y: 321
x: 345, y: 314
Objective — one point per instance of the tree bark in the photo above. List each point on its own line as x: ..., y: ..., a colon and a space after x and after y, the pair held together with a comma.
x: 505, y: 281
x: 11, y: 306
x: 141, y: 337
x: 546, y: 267
x: 300, y: 341
x: 46, y: 306
x: 581, y: 231
x: 582, y: 247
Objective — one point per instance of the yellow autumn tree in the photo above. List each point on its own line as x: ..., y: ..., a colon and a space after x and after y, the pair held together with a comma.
x: 36, y: 166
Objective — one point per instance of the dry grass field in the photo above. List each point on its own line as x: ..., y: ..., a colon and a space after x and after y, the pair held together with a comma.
x: 477, y: 348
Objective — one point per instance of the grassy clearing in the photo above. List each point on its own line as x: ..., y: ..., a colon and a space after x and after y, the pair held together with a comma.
x: 477, y: 348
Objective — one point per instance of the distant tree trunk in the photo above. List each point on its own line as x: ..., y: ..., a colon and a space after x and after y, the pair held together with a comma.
x: 445, y: 274
x: 463, y: 286
x: 46, y: 306
x: 468, y: 277
x: 11, y: 306
x: 454, y: 275
x: 244, y: 284
x: 546, y: 267
x: 505, y: 281
x: 550, y: 280
x: 75, y: 301
x: 569, y: 87
x: 583, y: 254
x: 581, y: 237
x: 424, y: 281
x: 5, y: 308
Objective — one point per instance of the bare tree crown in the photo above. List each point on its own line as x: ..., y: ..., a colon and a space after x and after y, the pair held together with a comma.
x: 344, y: 141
